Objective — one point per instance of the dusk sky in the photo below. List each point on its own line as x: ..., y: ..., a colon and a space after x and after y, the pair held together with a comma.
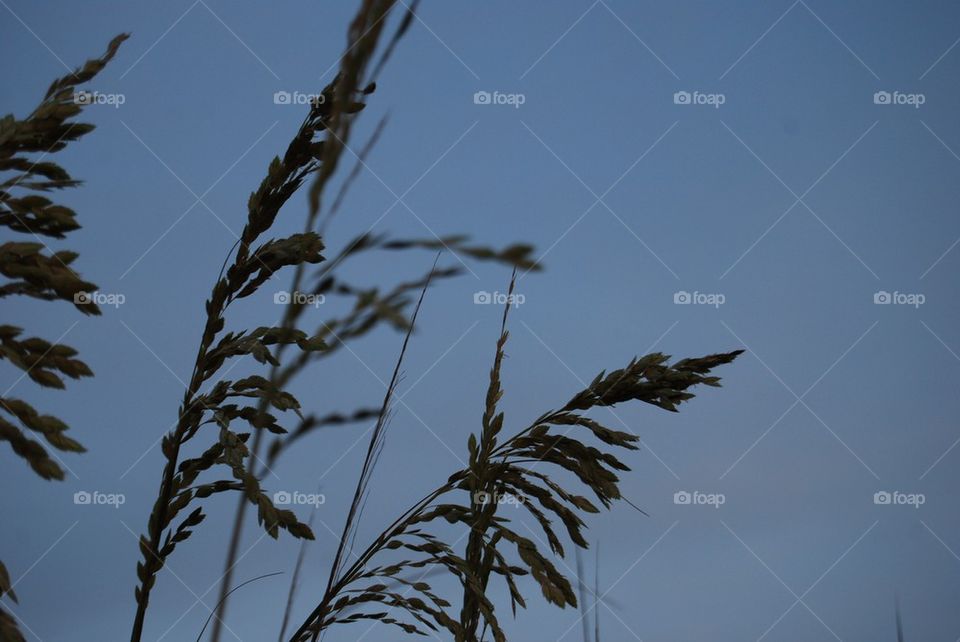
x: 698, y: 177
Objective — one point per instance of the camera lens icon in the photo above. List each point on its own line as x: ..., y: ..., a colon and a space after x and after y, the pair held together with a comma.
x: 881, y: 498
x: 681, y: 98
x: 282, y: 498
x: 681, y: 497
x: 482, y: 98
x: 881, y: 298
x: 682, y: 298
x: 881, y: 98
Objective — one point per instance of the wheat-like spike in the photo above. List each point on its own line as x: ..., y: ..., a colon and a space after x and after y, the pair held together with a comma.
x: 333, y: 116
x: 253, y: 263
x: 33, y: 270
x: 372, y: 308
x: 495, y: 469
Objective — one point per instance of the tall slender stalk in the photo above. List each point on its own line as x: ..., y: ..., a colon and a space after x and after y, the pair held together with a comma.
x: 250, y: 268
x: 366, y: 471
x: 363, y: 36
x: 483, y: 485
x: 171, y: 449
x: 371, y: 307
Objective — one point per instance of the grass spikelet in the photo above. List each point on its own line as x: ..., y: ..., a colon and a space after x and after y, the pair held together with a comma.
x: 32, y: 269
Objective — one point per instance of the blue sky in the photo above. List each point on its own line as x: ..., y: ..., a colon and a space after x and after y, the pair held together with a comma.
x: 786, y: 191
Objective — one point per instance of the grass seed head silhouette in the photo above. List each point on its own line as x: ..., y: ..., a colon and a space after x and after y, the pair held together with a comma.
x: 31, y: 269
x: 497, y: 469
x: 558, y: 469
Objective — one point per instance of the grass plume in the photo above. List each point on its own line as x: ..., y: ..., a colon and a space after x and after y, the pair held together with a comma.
x: 497, y: 468
x: 560, y: 468
x: 34, y: 270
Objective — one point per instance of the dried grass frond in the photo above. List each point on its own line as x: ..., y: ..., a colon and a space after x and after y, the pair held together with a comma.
x: 558, y: 439
x: 33, y: 270
x: 208, y: 400
x: 372, y: 308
